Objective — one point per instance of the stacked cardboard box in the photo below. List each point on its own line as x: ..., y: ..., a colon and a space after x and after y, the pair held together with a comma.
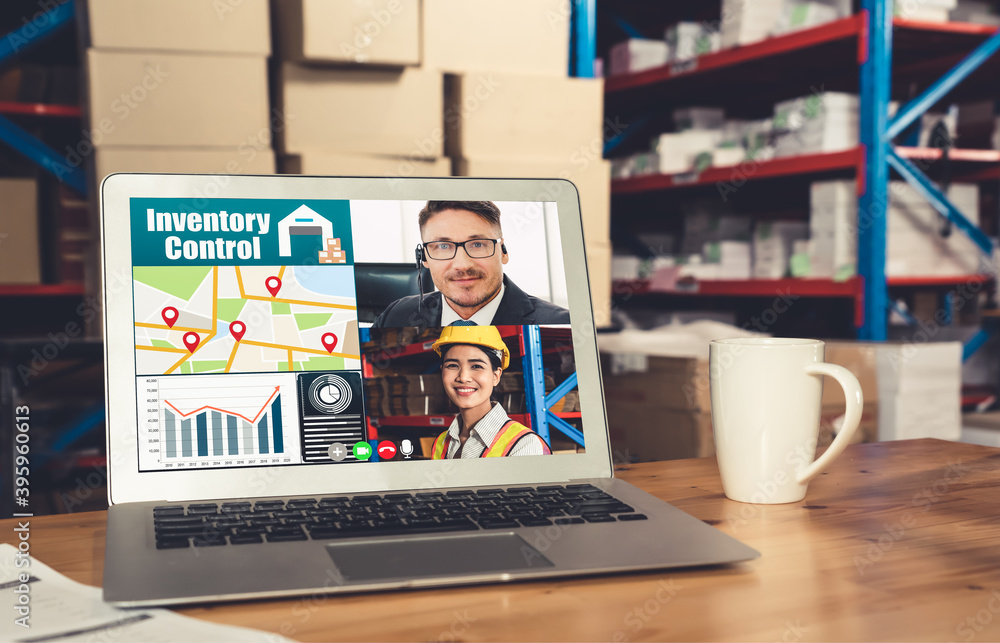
x: 20, y: 261
x: 915, y: 244
x: 355, y: 98
x: 659, y: 408
x: 920, y: 388
x: 511, y: 110
x: 822, y: 122
x: 748, y: 21
x: 178, y: 86
x: 334, y: 253
x: 773, y: 247
x: 860, y: 358
x: 925, y: 10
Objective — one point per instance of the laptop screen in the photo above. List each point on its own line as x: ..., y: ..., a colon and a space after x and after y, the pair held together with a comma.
x: 305, y: 332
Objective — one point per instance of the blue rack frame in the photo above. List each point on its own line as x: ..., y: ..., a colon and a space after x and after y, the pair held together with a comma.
x: 538, y: 403
x: 876, y: 134
x: 28, y: 35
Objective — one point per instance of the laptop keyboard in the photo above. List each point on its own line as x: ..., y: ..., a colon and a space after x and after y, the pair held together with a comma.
x: 239, y: 523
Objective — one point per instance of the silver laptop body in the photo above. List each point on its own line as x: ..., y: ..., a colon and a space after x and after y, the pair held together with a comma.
x: 184, y: 429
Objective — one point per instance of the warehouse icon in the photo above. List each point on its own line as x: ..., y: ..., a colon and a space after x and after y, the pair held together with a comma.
x: 303, y: 221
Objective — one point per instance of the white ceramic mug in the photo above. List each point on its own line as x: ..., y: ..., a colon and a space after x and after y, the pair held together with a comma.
x: 766, y: 397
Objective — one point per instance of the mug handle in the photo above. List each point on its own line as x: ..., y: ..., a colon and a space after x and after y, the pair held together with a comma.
x: 852, y: 416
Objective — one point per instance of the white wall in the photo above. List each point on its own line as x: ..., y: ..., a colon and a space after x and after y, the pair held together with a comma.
x: 387, y: 232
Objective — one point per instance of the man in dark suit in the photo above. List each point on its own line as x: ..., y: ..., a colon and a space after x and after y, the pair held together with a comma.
x: 464, y: 251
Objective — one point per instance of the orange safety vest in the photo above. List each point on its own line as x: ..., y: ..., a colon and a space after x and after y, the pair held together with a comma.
x: 502, y: 444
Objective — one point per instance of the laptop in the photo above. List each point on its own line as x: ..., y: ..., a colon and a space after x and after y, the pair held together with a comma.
x: 264, y: 442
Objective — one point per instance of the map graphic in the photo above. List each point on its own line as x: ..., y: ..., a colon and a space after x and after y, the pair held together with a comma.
x: 245, y: 319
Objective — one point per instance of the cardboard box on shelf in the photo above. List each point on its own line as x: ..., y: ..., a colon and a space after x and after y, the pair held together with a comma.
x: 384, y: 32
x: 336, y: 164
x: 592, y: 178
x: 650, y: 434
x: 415, y: 405
x: 383, y: 112
x: 831, y: 419
x: 177, y: 100
x: 181, y: 25
x: 920, y: 390
x: 689, y: 40
x: 520, y: 116
x: 860, y: 358
x: 514, y: 36
x: 637, y: 54
x: 676, y: 383
x: 773, y: 243
x: 20, y: 252
x: 748, y: 21
x: 109, y: 160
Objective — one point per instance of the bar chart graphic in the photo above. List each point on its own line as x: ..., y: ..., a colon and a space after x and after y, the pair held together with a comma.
x: 221, y: 421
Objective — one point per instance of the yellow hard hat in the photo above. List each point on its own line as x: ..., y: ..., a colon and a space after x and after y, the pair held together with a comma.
x: 486, y: 336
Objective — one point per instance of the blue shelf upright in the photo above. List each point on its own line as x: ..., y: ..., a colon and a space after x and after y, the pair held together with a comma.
x: 877, y: 132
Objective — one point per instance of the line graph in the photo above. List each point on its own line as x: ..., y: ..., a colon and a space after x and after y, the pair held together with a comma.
x: 219, y: 420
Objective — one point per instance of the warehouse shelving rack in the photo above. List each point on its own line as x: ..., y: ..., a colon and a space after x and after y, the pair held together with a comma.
x: 41, y: 27
x: 866, y: 42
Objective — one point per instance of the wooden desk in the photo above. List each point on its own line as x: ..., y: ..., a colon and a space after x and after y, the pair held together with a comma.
x: 899, y: 541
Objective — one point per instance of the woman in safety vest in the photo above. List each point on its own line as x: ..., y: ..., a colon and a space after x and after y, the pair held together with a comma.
x: 472, y: 361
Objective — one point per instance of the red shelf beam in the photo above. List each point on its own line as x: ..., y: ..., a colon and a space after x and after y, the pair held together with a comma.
x: 45, y: 290
x: 748, y: 288
x: 843, y: 29
x: 40, y: 109
x: 807, y: 164
x: 790, y: 166
x: 933, y: 154
x: 968, y: 28
x: 939, y: 281
x: 802, y: 287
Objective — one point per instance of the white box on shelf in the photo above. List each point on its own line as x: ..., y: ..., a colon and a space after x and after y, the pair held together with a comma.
x: 747, y: 21
x: 797, y: 15
x: 689, y: 40
x: 919, y: 390
x: 637, y: 54
x: 699, y: 118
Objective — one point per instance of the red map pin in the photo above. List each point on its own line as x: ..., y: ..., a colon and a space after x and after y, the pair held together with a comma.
x: 273, y: 285
x: 329, y: 342
x: 191, y: 340
x: 169, y: 315
x: 237, y: 328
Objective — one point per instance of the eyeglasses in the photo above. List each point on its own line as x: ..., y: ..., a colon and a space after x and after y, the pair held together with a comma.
x: 475, y: 248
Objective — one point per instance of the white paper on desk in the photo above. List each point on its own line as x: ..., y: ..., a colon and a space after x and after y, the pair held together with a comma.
x: 64, y: 610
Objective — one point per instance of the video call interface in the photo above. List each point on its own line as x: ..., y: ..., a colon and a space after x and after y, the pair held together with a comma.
x: 272, y: 332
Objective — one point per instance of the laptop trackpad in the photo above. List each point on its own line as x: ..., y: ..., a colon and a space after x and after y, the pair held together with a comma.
x: 446, y: 555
